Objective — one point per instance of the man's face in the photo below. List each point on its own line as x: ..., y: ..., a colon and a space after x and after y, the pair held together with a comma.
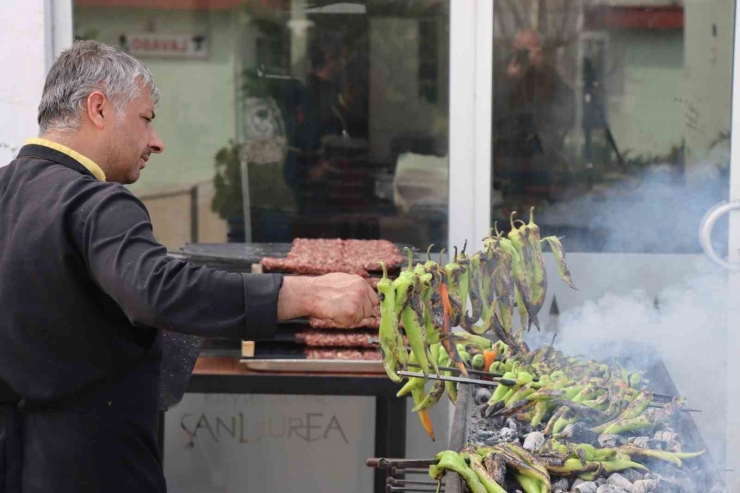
x: 528, y: 40
x: 132, y: 140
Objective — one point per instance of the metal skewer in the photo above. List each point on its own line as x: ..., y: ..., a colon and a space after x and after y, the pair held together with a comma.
x: 383, y: 463
x: 432, y: 376
x: 397, y: 471
x: 402, y: 482
x: 508, y: 383
x: 684, y: 409
x: 473, y: 372
x: 400, y: 489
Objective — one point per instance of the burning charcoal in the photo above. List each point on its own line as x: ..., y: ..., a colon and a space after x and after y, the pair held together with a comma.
x: 600, y: 481
x: 641, y: 442
x: 645, y: 485
x: 579, y: 433
x: 512, y: 425
x: 482, y: 395
x: 632, y: 475
x: 534, y: 441
x: 508, y: 435
x: 620, y: 481
x: 666, y: 436
x: 673, y: 446
x: 585, y: 487
x: 610, y: 488
x: 561, y: 484
x: 610, y: 440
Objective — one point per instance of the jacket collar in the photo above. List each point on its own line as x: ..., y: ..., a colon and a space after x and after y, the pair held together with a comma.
x: 63, y: 155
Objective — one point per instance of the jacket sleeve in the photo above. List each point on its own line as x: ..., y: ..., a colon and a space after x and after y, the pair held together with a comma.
x: 153, y: 289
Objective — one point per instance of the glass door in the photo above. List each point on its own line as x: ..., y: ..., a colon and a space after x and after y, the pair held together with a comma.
x: 613, y: 121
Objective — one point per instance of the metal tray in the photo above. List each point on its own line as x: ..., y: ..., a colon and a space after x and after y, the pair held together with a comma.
x: 313, y: 365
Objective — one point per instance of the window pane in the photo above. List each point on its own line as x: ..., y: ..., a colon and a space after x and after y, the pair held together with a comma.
x: 320, y: 119
x: 613, y: 120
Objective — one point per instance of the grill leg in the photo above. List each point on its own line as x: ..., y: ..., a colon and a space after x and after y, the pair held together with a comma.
x: 390, y: 434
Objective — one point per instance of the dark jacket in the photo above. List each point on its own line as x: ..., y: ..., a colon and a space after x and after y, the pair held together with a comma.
x: 84, y: 290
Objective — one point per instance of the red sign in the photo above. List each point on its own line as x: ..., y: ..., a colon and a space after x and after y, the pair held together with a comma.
x: 166, y: 45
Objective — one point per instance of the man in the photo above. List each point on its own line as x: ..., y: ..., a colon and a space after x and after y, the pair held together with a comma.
x: 86, y: 289
x: 322, y: 113
x: 533, y: 109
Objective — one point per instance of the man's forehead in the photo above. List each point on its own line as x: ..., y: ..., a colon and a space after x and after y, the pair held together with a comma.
x: 527, y: 39
x: 143, y: 102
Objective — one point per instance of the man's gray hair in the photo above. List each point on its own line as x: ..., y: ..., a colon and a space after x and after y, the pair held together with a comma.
x: 86, y: 67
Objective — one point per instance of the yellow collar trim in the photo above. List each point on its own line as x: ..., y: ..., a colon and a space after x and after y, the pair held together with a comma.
x: 88, y: 163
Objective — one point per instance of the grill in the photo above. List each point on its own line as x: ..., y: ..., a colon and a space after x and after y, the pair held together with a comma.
x: 410, y: 475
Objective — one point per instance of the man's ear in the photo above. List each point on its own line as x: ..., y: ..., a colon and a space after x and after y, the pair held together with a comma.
x: 97, y: 110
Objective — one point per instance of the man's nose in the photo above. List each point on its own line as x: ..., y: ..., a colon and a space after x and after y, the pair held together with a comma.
x: 155, y: 143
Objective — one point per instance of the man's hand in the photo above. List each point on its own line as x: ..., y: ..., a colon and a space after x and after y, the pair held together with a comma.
x: 344, y: 298
x: 514, y: 70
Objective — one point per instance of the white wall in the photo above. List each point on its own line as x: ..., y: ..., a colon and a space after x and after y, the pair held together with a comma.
x: 26, y: 48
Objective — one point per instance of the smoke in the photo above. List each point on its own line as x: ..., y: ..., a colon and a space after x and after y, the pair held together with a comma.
x: 685, y: 326
x: 658, y: 211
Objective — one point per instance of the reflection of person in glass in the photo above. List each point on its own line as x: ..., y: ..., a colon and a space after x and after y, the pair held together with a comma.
x: 324, y: 115
x: 533, y: 108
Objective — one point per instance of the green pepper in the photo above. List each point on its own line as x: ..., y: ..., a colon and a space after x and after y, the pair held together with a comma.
x: 557, y: 250
x: 522, y: 392
x: 540, y: 411
x: 465, y: 356
x: 571, y: 466
x: 431, y: 398
x: 523, y: 292
x: 413, y: 382
x: 393, y: 354
x: 476, y: 464
x: 450, y: 387
x: 467, y: 338
x: 529, y: 485
x: 522, y: 466
x: 617, y: 465
x: 451, y: 460
x: 478, y: 299
x: 417, y: 395
x: 478, y: 361
x: 501, y: 390
x: 503, y: 285
x: 635, y: 409
x: 453, y: 272
x: 413, y: 317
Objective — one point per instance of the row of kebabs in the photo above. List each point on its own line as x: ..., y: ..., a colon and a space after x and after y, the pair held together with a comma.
x: 322, y: 339
x: 429, y: 299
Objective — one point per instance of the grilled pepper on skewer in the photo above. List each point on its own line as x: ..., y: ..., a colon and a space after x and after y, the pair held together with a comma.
x: 526, y: 240
x: 446, y: 335
x: 417, y: 394
x: 557, y: 250
x: 392, y: 348
x: 476, y: 464
x: 413, y: 323
x: 451, y: 460
x: 453, y: 272
x: 504, y: 286
x: 523, y: 292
